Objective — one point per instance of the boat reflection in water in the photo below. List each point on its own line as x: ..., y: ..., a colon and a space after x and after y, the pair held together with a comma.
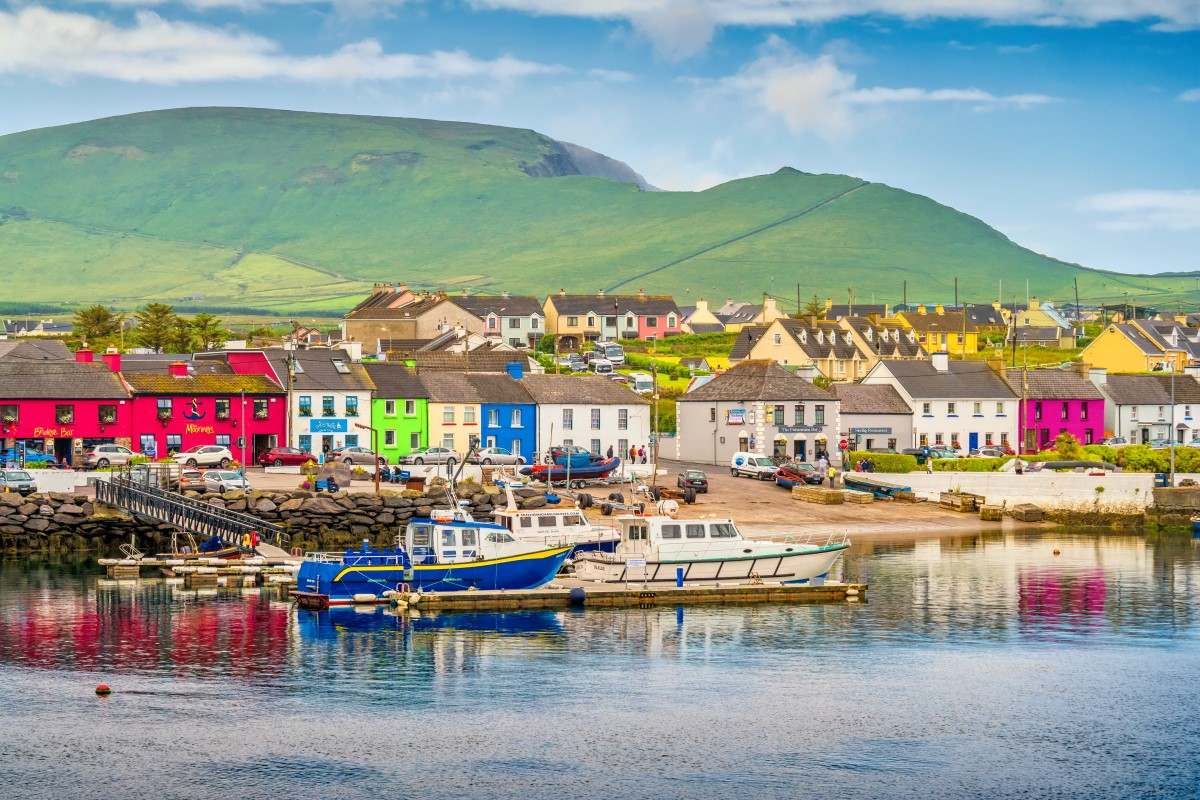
x: 336, y: 621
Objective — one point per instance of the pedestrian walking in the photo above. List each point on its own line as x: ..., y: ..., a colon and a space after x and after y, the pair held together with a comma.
x: 929, y: 465
x: 832, y: 473
x: 610, y: 452
x: 642, y: 454
x: 633, y: 454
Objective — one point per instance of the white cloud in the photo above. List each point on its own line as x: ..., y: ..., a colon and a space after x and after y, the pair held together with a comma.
x: 1190, y: 96
x: 821, y: 96
x: 1146, y: 209
x: 683, y: 27
x: 611, y: 75
x: 61, y: 45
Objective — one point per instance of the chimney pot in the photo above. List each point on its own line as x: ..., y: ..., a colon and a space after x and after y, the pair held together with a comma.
x: 83, y: 356
x: 178, y: 369
x: 112, y: 359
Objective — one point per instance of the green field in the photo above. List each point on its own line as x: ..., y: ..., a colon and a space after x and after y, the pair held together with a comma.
x: 293, y: 212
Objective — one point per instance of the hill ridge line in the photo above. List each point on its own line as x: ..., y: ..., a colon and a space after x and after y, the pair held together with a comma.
x: 746, y: 235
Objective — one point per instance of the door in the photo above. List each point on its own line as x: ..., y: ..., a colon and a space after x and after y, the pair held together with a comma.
x: 1145, y: 436
x: 799, y: 450
x: 972, y: 441
x: 62, y: 450
x: 780, y: 448
x: 327, y: 444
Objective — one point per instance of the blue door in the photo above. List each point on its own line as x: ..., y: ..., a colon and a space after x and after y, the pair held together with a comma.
x: 973, y: 441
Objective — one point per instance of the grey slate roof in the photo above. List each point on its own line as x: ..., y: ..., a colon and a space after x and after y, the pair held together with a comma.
x: 475, y: 361
x: 493, y: 388
x: 737, y: 313
x: 317, y: 372
x: 861, y: 398
x: 581, y: 389
x: 1147, y: 390
x: 747, y: 338
x: 949, y: 322
x: 1028, y: 334
x: 706, y: 327
x: 474, y: 388
x: 35, y: 350
x: 1053, y: 384
x: 513, y: 306
x: 395, y: 381
x: 1135, y: 335
x: 836, y: 311
x: 59, y: 380
x: 985, y: 315
x: 880, y: 339
x: 970, y: 379
x: 756, y: 380
x: 410, y: 311
x: 603, y: 304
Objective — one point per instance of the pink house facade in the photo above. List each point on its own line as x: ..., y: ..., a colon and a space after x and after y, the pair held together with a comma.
x: 1056, y: 401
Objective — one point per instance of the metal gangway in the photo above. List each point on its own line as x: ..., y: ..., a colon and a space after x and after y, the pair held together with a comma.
x: 188, y: 514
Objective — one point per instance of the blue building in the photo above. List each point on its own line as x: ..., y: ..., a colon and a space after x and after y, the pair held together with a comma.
x: 508, y: 415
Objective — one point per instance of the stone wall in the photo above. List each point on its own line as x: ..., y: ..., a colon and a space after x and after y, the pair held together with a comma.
x: 61, y: 522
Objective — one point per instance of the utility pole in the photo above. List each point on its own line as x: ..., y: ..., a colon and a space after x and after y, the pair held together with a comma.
x: 955, y: 290
x: 905, y: 303
x: 1078, y: 313
x: 850, y: 306
x: 798, y: 306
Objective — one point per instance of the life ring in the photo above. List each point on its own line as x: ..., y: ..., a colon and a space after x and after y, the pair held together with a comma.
x: 298, y: 551
x: 402, y: 587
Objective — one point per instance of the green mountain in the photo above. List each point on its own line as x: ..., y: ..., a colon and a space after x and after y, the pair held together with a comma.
x: 289, y: 211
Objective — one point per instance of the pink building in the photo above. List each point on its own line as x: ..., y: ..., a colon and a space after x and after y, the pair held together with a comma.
x: 1056, y: 401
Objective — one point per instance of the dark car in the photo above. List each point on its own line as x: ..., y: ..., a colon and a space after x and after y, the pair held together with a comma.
x: 798, y: 472
x: 693, y: 479
x: 285, y: 457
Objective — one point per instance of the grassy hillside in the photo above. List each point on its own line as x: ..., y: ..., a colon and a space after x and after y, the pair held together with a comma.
x: 297, y: 211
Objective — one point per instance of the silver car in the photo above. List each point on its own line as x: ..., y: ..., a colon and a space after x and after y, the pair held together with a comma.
x: 356, y: 455
x: 107, y: 455
x: 17, y: 480
x: 205, y: 455
x: 496, y: 455
x: 431, y: 455
x: 224, y: 480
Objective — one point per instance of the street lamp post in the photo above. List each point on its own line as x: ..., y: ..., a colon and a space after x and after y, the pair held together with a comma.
x: 374, y: 450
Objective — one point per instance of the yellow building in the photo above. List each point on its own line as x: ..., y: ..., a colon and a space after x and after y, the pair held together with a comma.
x: 702, y: 319
x: 1135, y: 347
x: 454, y: 412
x: 942, y: 331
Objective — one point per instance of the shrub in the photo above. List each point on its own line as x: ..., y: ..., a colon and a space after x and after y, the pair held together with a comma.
x: 968, y: 464
x: 884, y: 462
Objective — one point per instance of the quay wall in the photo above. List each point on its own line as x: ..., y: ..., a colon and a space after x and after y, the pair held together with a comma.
x: 1120, y: 491
x: 66, y: 522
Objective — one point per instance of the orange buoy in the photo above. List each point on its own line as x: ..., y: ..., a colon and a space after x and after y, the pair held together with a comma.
x: 103, y: 690
x: 1057, y: 552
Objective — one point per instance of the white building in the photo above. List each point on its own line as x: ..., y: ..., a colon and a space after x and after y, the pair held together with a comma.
x: 1139, y: 407
x: 589, y: 411
x: 958, y: 405
x: 329, y: 399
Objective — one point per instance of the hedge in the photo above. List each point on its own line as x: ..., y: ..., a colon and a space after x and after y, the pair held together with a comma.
x: 968, y: 464
x: 884, y: 462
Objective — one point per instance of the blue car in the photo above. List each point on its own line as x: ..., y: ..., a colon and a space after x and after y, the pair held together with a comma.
x: 32, y: 458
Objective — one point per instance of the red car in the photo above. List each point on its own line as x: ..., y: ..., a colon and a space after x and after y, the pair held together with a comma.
x: 285, y: 456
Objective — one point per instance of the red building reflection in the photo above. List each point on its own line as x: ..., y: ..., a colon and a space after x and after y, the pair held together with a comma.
x: 1046, y: 593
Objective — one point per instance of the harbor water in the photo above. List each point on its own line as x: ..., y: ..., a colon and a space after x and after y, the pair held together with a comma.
x: 980, y: 666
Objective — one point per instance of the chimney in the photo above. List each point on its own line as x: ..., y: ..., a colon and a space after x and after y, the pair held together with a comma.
x: 999, y: 367
x: 1084, y: 370
x: 641, y: 294
x: 505, y: 295
x: 996, y: 304
x: 939, y: 309
x: 828, y: 303
x: 921, y: 308
x: 83, y: 356
x: 562, y: 292
x: 1098, y: 376
x: 701, y: 305
x: 515, y: 370
x: 178, y: 369
x: 770, y: 309
x: 600, y: 293
x: 112, y: 359
x: 941, y: 361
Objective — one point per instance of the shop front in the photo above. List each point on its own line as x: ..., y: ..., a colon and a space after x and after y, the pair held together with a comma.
x: 247, y: 425
x: 60, y: 430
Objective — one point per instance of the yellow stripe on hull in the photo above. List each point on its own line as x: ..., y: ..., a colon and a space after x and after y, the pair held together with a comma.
x: 554, y: 551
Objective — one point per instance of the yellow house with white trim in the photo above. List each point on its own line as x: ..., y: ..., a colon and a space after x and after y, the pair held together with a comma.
x: 1134, y: 347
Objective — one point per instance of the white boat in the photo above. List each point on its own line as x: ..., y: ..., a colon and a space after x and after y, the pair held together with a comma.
x: 555, y: 526
x: 655, y: 549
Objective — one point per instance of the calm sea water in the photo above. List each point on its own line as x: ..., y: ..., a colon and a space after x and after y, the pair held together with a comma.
x: 982, y: 666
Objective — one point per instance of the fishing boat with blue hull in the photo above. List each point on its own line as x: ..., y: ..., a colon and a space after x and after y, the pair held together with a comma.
x: 553, y: 526
x: 443, y: 553
x: 571, y: 464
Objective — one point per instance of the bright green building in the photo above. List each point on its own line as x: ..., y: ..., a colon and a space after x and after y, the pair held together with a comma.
x: 399, y: 410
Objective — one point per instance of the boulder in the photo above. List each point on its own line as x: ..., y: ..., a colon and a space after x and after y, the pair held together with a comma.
x: 66, y: 519
x: 45, y: 510
x: 385, y: 518
x: 291, y: 505
x: 320, y: 505
x: 12, y: 530
x: 533, y: 502
x: 215, y: 501
x: 16, y: 519
x: 265, y: 505
x: 11, y: 499
x: 396, y: 501
x: 238, y: 504
x: 70, y: 508
x: 423, y: 511
x: 28, y: 509
x: 37, y: 524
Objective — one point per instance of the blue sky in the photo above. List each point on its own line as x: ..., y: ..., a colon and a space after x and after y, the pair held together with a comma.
x: 1070, y: 125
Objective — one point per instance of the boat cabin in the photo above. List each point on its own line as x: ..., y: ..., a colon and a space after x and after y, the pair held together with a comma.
x: 447, y: 538
x: 545, y: 520
x: 649, y: 534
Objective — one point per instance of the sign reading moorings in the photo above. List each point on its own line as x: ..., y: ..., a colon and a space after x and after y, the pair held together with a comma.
x: 871, y: 430
x: 328, y: 426
x: 799, y: 428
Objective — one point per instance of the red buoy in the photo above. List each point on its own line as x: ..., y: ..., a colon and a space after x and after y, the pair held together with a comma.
x: 103, y: 690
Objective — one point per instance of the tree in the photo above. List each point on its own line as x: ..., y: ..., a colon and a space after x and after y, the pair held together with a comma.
x: 96, y: 322
x: 813, y: 308
x: 181, y: 337
x: 1068, y: 447
x: 155, y: 325
x: 209, y: 331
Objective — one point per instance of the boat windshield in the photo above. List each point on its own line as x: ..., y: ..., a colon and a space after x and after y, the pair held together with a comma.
x: 695, y: 531
x: 499, y: 537
x: 637, y: 533
x: 722, y: 530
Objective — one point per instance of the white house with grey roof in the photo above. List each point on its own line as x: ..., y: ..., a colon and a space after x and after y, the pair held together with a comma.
x: 874, y: 416
x: 329, y: 397
x: 957, y: 405
x: 756, y: 407
x: 516, y: 320
x: 588, y: 411
x: 1147, y: 408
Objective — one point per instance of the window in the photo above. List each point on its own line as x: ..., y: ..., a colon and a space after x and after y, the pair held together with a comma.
x: 491, y: 323
x: 389, y: 438
x: 222, y: 440
x: 547, y: 521
x: 923, y: 441
x: 778, y: 416
x: 414, y: 440
x: 174, y: 442
x: 595, y: 419
x: 305, y: 441
x: 798, y: 415
x: 260, y: 408
x: 494, y: 417
x: 987, y: 440
x: 515, y: 447
x: 1161, y: 412
x: 410, y: 408
x: 568, y: 442
x: 695, y: 531
x: 389, y: 408
x: 305, y: 405
x: 927, y: 409
x: 572, y: 322
x: 818, y: 415
x: 516, y: 418
x: 629, y: 322
x: 164, y: 408
x: 1083, y: 411
x: 651, y: 322
x: 778, y: 338
x: 1000, y: 409
x: 596, y: 446
x: 10, y: 415
x: 222, y: 405
x: 327, y: 406
x: 622, y: 447
x: 107, y: 415
x: 1004, y: 438
x: 351, y: 440
x: 951, y: 409
x: 591, y: 321
x: 1187, y: 412
x: 65, y: 414
x: 1063, y: 411
x: 671, y: 532
x: 147, y: 444
x: 1037, y: 410
x: 340, y: 367
x: 712, y: 414
x: 938, y: 439
x: 568, y: 419
x: 448, y: 441
x: 468, y: 415
x: 977, y: 409
x: 722, y: 530
x: 670, y: 320
x: 514, y: 322
x: 351, y: 405
x: 447, y: 415
x: 1087, y: 436
x: 535, y: 322
x: 954, y: 441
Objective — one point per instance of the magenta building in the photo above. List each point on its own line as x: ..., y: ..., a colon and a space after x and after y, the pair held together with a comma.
x: 1056, y: 401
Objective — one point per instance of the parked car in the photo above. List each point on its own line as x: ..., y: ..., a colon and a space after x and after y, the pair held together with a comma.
x: 431, y: 455
x: 693, y: 479
x: 33, y: 458
x: 1115, y: 441
x: 752, y: 465
x: 286, y: 457
x: 990, y: 452
x: 224, y: 480
x: 942, y: 452
x: 192, y: 479
x: 794, y: 472
x: 205, y: 455
x: 17, y: 480
x: 1160, y: 444
x: 919, y: 453
x: 107, y: 455
x: 356, y: 455
x: 495, y: 455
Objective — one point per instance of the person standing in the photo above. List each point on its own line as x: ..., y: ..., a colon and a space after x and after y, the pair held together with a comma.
x: 642, y: 453
x: 832, y: 473
x: 633, y: 454
x: 610, y: 452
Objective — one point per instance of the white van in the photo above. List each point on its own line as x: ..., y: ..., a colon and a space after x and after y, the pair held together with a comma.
x: 752, y: 465
x: 641, y: 382
x: 602, y: 366
x: 613, y: 352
